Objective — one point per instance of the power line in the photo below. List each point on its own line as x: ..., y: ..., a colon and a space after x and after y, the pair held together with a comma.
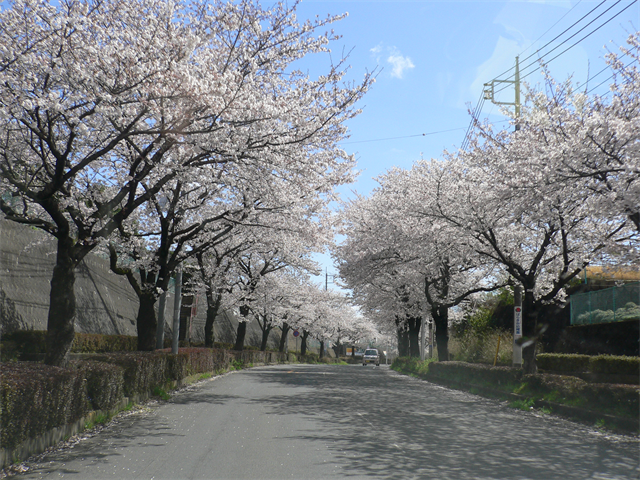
x: 587, y: 35
x: 549, y: 29
x: 474, y: 115
x: 405, y: 136
x: 557, y: 36
x: 573, y: 45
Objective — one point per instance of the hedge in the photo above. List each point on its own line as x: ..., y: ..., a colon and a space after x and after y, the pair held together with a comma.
x: 621, y: 400
x: 35, y: 398
x: 8, y: 351
x: 560, y: 362
x: 572, y: 363
x: 615, y: 365
x: 105, y: 383
x: 475, y: 372
x: 142, y: 371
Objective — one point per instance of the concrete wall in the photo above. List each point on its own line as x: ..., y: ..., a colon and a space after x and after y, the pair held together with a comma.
x: 105, y: 301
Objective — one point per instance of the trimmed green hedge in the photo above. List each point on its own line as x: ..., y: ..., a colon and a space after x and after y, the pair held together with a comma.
x: 27, y: 341
x: 571, y: 363
x: 35, y: 398
x: 142, y: 371
x: 105, y: 383
x: 94, y: 343
x: 475, y: 373
x: 411, y: 366
x: 561, y: 362
x: 615, y: 365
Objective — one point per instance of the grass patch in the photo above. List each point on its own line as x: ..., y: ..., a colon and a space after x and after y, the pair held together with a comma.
x: 162, y: 393
x: 237, y: 364
x: 205, y: 376
x: 100, y: 419
x: 526, y: 404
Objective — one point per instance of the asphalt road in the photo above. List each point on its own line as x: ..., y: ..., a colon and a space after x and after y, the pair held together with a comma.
x: 312, y: 422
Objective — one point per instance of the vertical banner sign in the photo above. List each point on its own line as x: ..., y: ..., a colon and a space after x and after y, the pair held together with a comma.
x: 517, y: 333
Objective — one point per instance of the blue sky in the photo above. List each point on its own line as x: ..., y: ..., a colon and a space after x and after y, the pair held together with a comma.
x: 435, y: 57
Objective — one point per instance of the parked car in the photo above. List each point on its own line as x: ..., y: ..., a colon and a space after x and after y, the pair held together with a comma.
x: 371, y: 355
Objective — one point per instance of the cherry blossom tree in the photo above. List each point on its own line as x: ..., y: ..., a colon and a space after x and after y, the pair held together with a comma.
x: 397, y: 247
x: 213, y: 277
x: 83, y: 123
x: 377, y: 264
x: 97, y: 96
x: 542, y: 239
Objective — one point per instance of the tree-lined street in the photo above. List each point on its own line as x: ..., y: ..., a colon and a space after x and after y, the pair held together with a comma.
x: 312, y: 421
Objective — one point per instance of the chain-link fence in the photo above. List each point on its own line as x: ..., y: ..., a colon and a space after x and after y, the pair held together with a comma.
x: 616, y: 304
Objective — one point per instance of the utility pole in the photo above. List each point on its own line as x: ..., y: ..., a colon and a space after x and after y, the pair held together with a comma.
x: 489, y: 92
x: 326, y: 279
x: 517, y: 86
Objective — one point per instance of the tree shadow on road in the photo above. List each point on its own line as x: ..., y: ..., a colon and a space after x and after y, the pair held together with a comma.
x: 379, y: 423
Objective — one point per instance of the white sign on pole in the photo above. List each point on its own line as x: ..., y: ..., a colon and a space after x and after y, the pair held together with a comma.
x: 517, y: 333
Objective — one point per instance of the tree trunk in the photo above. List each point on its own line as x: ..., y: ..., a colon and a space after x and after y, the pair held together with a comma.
x: 213, y: 305
x: 414, y: 336
x: 303, y: 343
x: 442, y: 343
x: 283, y: 337
x: 441, y: 321
x: 403, y: 341
x: 240, y: 334
x: 62, y: 307
x: 321, y: 348
x: 265, y: 337
x: 147, y: 322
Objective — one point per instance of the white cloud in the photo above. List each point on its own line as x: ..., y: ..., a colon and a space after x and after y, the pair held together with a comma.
x: 399, y: 64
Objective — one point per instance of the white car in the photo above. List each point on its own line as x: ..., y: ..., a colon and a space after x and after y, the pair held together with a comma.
x: 371, y: 355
